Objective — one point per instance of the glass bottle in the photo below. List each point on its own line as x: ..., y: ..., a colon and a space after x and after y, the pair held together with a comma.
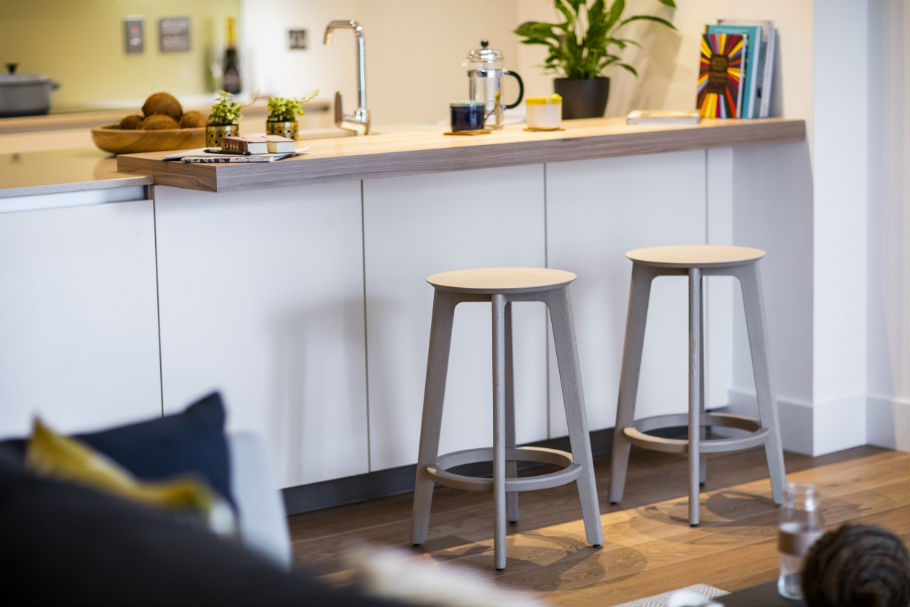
x: 801, y: 524
x: 231, y: 75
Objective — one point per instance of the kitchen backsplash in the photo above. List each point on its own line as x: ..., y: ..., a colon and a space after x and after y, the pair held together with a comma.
x: 414, y: 50
x: 81, y: 46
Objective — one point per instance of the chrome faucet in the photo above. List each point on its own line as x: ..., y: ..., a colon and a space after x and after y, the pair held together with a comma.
x: 360, y: 119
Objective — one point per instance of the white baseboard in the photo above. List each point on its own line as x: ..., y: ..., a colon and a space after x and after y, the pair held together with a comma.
x: 888, y: 423
x: 795, y: 419
x: 813, y: 428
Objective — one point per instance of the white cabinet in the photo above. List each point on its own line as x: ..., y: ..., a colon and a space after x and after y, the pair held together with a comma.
x: 417, y: 226
x: 78, y: 318
x: 261, y: 297
x: 596, y: 211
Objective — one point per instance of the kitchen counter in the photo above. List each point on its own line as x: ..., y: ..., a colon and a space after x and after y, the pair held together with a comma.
x: 403, y: 152
x: 284, y: 282
x: 419, y: 152
x: 62, y: 171
x: 42, y: 155
x: 313, y: 116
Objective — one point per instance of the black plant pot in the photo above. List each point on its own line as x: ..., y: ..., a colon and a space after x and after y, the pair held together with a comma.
x: 585, y: 98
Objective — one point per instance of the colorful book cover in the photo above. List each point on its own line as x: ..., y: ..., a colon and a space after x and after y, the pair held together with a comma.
x: 752, y: 68
x: 720, y: 89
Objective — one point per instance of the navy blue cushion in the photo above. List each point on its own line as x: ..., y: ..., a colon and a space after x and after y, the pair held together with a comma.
x: 189, y: 442
x: 63, y: 544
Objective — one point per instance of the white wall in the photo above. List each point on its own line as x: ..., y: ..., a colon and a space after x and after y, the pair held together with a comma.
x: 888, y: 303
x: 840, y: 162
x: 414, y: 50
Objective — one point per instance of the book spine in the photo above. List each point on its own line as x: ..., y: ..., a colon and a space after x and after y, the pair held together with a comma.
x: 234, y: 144
x: 768, y: 76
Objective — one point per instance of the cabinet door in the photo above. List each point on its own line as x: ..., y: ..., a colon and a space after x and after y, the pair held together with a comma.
x: 596, y: 211
x: 417, y: 226
x: 78, y: 317
x: 261, y: 297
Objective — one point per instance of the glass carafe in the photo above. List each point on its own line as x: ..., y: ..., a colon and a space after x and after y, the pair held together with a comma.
x: 485, y: 82
x: 801, y: 524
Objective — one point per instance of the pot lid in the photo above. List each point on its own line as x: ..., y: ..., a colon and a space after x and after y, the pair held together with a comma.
x: 12, y: 78
x: 485, y: 55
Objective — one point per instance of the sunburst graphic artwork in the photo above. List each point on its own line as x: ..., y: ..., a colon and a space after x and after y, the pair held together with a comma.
x: 720, y: 72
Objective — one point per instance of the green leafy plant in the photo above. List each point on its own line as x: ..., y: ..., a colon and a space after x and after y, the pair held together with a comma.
x: 225, y: 110
x: 587, y: 42
x: 283, y: 109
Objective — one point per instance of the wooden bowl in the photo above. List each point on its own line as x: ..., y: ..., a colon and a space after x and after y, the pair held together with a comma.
x: 127, y: 141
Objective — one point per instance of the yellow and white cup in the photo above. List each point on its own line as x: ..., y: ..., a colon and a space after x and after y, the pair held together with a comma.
x: 544, y: 112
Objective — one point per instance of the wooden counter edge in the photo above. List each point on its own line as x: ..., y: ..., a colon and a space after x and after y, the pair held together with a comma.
x: 224, y: 177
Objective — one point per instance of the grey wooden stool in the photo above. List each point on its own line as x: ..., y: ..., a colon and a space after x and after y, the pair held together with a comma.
x: 695, y: 262
x: 501, y: 287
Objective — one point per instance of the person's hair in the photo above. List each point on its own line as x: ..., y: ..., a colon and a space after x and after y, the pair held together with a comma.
x: 857, y: 565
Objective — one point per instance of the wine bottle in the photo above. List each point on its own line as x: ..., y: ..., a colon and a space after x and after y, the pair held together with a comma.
x: 231, y: 76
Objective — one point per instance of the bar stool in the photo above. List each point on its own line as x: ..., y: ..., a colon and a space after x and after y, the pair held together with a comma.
x: 695, y: 262
x: 501, y: 287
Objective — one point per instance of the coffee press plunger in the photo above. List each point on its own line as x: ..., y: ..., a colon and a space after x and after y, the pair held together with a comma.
x: 485, y: 82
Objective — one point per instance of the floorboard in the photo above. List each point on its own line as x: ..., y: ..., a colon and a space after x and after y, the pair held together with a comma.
x: 649, y: 547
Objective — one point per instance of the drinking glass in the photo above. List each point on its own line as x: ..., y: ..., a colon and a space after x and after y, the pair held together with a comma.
x: 800, y: 526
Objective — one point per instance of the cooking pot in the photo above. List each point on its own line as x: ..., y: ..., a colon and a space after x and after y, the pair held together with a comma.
x: 24, y: 94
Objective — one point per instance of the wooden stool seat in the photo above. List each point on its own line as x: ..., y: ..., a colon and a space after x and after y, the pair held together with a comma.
x: 501, y: 287
x: 695, y: 256
x: 501, y: 280
x: 695, y: 262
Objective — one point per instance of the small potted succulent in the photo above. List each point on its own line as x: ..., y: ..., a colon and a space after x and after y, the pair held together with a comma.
x: 224, y: 119
x: 283, y: 112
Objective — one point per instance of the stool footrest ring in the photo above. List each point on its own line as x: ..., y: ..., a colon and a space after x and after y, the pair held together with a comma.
x: 570, y: 471
x: 637, y: 433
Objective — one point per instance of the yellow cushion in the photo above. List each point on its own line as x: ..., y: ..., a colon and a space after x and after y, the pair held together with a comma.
x: 54, y: 455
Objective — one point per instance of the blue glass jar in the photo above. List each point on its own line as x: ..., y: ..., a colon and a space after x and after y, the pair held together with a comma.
x: 467, y: 115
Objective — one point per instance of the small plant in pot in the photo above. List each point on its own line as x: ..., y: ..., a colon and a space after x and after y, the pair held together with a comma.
x: 283, y: 112
x: 582, y: 47
x: 223, y: 121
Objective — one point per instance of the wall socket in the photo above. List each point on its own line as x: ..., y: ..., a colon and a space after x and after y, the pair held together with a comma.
x: 133, y: 36
x: 297, y: 40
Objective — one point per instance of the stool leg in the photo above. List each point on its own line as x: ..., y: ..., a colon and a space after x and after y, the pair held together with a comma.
x: 695, y: 385
x: 433, y: 396
x: 750, y: 281
x: 702, y: 430
x: 570, y: 380
x: 511, y: 465
x: 637, y: 316
x: 499, y: 431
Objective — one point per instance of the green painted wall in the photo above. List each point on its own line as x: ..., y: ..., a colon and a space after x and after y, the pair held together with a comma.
x: 80, y: 44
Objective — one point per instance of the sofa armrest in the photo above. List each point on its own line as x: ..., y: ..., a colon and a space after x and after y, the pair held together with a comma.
x: 262, y: 519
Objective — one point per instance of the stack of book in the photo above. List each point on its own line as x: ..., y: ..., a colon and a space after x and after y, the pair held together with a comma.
x: 265, y: 148
x: 736, y: 68
x: 265, y: 144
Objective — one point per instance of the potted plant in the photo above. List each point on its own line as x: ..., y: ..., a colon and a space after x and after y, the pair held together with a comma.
x: 582, y: 47
x: 283, y: 112
x: 223, y: 120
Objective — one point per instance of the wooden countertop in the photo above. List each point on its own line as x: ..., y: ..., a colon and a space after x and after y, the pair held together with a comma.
x: 60, y: 171
x: 97, y: 117
x: 415, y: 152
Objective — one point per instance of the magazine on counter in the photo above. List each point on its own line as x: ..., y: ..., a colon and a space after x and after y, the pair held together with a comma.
x: 217, y: 156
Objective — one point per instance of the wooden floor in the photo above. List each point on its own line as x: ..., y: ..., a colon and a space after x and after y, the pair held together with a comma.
x: 648, y: 548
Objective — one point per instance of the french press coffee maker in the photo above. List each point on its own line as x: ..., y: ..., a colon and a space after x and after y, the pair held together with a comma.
x: 485, y: 83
